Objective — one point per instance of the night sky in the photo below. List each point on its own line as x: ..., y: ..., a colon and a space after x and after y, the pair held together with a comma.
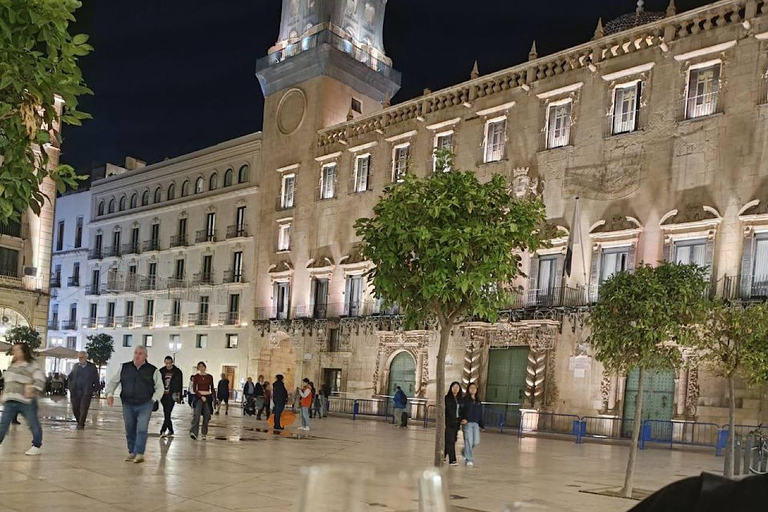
x: 174, y: 76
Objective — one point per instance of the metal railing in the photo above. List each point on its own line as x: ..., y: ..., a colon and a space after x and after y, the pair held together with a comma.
x: 53, y: 325
x: 112, y: 252
x: 177, y: 282
x: 145, y: 321
x: 56, y: 281
x: 107, y: 321
x: 131, y: 248
x: 93, y: 289
x: 230, y: 276
x: 150, y: 245
x: 14, y: 229
x: 229, y: 318
x: 95, y: 254
x: 198, y: 319
x: 148, y: 283
x: 172, y: 320
x: 73, y: 281
x: 204, y: 236
x: 237, y: 231
x: 89, y: 323
x: 743, y: 287
x: 202, y: 278
x: 125, y: 322
x: 179, y: 240
x: 69, y: 325
x: 556, y: 296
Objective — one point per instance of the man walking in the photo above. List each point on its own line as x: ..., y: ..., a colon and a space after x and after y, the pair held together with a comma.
x: 280, y: 397
x: 259, y: 394
x: 401, y: 402
x: 83, y: 382
x: 141, y: 386
x: 173, y: 381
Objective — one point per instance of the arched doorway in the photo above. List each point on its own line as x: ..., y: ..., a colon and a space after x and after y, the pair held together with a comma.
x: 278, y: 359
x: 402, y: 372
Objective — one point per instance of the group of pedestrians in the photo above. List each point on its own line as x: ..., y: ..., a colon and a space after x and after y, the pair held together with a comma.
x: 462, y: 412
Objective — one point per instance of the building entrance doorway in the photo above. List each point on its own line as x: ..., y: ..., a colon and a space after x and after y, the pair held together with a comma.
x: 658, y: 400
x: 332, y: 379
x: 507, y: 370
x: 402, y: 372
x: 231, y: 373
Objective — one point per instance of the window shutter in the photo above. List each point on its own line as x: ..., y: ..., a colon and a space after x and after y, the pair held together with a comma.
x: 709, y: 256
x: 347, y: 294
x: 559, y: 266
x: 594, y: 275
x: 746, y: 267
x: 631, y: 257
x: 667, y: 254
x: 533, y: 273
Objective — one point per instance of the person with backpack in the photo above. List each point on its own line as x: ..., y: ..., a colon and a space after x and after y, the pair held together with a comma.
x: 280, y: 398
x: 471, y: 423
x: 452, y: 421
x: 400, y: 401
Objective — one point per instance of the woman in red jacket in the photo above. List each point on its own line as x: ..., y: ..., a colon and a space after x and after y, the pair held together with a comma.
x: 202, y: 388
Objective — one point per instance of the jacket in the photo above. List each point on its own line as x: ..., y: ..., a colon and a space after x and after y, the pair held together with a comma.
x: 249, y: 389
x: 259, y: 389
x: 177, y: 379
x: 17, y: 377
x: 472, y: 411
x: 306, y: 397
x: 400, y: 400
x: 90, y: 374
x: 452, y: 411
x: 279, y: 393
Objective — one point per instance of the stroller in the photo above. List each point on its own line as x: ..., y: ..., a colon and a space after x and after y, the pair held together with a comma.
x: 249, y: 405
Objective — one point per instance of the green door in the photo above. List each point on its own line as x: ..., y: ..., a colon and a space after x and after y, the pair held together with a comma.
x: 658, y: 400
x: 402, y: 372
x: 507, y: 369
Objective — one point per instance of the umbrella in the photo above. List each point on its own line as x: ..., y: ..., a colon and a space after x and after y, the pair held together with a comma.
x: 59, y: 353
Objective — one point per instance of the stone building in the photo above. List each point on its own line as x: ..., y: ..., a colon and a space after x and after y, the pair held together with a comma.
x: 657, y: 124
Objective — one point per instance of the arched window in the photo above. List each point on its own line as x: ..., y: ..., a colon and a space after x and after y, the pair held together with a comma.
x: 185, y: 188
x: 213, y: 182
x: 242, y: 174
x: 134, y: 200
x: 111, y: 207
x: 145, y: 198
x: 100, y: 210
x: 199, y: 185
x: 122, y: 203
x: 171, y: 191
x: 228, y: 178
x: 158, y: 193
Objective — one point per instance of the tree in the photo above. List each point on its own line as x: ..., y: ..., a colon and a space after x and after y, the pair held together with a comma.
x: 640, y: 320
x: 24, y: 334
x: 733, y: 342
x: 38, y: 64
x: 448, y: 246
x: 100, y: 348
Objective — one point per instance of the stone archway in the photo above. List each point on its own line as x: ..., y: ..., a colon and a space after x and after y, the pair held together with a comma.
x: 278, y: 356
x: 10, y: 318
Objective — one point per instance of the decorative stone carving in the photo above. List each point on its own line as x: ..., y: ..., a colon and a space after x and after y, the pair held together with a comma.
x: 535, y: 377
x: 605, y: 392
x: 692, y: 394
x: 522, y: 183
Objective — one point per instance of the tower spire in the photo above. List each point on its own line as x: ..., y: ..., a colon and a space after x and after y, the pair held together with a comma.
x: 671, y: 8
x: 599, y: 32
x: 475, y: 72
x: 533, y: 54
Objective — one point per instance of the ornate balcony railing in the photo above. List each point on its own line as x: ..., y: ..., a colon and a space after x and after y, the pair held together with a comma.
x: 229, y: 318
x: 198, y: 319
x: 145, y: 321
x: 202, y: 278
x: 56, y: 281
x: 107, y: 322
x: 179, y: 240
x: 172, y: 320
x: 73, y: 281
x: 69, y: 325
x: 204, y: 236
x: 112, y: 252
x: 93, y: 289
x: 230, y: 276
x: 53, y: 325
x: 95, y: 254
x: 89, y: 322
x: 743, y: 287
x: 237, y: 231
x: 131, y: 248
x: 150, y: 245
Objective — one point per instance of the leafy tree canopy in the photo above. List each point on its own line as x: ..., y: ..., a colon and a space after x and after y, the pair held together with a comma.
x: 100, y: 348
x: 643, y: 316
x: 24, y: 334
x: 448, y: 244
x: 38, y: 62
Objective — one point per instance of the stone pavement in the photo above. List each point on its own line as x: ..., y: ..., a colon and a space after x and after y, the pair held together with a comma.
x: 247, y: 468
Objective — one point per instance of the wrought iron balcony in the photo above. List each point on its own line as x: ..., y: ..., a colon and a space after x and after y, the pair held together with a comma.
x: 198, y: 319
x: 125, y: 322
x: 150, y: 245
x: 148, y: 283
x: 93, y: 289
x: 177, y: 282
x: 107, y: 322
x: 145, y: 321
x: 95, y: 254
x: 270, y: 313
x: 230, y: 276
x: 132, y: 283
x: 172, y: 320
x: 53, y: 325
x: 202, y: 278
x: 229, y: 318
x: 112, y: 252
x: 69, y: 325
x: 131, y: 248
x: 73, y: 281
x: 204, y: 236
x: 744, y: 287
x: 237, y: 231
x: 14, y: 229
x: 89, y: 323
x: 179, y: 240
x: 56, y: 281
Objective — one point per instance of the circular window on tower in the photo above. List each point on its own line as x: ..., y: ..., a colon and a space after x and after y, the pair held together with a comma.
x: 290, y: 111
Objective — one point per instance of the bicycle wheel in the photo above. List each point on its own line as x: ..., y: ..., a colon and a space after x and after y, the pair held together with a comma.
x: 758, y: 462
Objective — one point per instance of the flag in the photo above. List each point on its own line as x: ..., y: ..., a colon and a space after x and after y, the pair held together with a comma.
x: 574, y: 238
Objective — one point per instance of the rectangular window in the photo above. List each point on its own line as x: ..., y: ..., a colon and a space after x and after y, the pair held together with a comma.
x: 760, y: 266
x: 73, y: 314
x: 207, y: 269
x: 150, y: 307
x: 334, y: 344
x: 98, y: 244
x: 353, y: 296
x: 72, y: 342
x: 95, y: 280
x: 284, y: 237
x: 232, y: 340
x: 127, y: 340
x: 94, y: 308
x: 79, y: 233
x: 443, y: 141
x: 175, y: 312
x: 328, y: 182
x: 203, y: 310
x: 356, y: 106
x: 547, y: 275
x: 240, y: 220
x: 281, y: 299
x: 182, y: 227
x: 703, y: 88
x: 237, y: 267
x: 60, y: 237
x: 400, y: 158
x: 210, y: 227
x: 626, y: 105
x: 9, y: 262
x: 320, y: 299
x: 148, y: 339
x: 234, y: 303
x: 202, y: 341
x: 612, y: 262
x: 362, y: 170
x: 179, y: 271
x: 495, y: 138
x: 76, y: 273
x: 57, y: 274
x: 135, y: 240
x: 558, y: 125
x: 152, y: 272
x: 115, y: 244
x: 129, y: 309
x: 691, y: 251
x: 288, y: 191
x: 155, y: 236
x: 55, y: 313
x: 110, y: 311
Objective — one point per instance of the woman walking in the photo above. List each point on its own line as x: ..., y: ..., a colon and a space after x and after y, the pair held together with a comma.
x: 202, y: 388
x: 471, y: 423
x: 452, y: 421
x: 305, y: 401
x: 24, y: 380
x: 222, y: 394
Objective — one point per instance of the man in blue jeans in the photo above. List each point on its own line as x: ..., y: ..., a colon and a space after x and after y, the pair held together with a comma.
x: 141, y: 386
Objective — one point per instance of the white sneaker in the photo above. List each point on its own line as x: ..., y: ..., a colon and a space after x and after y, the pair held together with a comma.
x: 203, y: 438
x: 192, y: 436
x: 130, y: 457
x: 138, y: 459
x: 470, y: 463
x: 33, y: 451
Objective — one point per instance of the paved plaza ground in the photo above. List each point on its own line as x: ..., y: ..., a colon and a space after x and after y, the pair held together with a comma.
x: 247, y: 468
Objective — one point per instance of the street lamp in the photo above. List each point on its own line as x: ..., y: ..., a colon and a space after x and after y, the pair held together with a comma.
x: 174, y: 347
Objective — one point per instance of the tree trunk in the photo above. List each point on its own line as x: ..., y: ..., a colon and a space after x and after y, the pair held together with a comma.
x: 626, y: 491
x: 730, y: 451
x: 445, y: 334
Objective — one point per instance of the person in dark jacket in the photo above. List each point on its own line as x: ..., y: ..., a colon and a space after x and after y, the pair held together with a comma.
x: 280, y: 397
x: 400, y: 401
x: 259, y: 395
x: 141, y: 386
x: 222, y: 395
x: 471, y: 423
x: 173, y: 381
x: 83, y: 382
x: 452, y: 421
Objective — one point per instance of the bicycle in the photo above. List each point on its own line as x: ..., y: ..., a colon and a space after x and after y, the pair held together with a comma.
x: 758, y: 460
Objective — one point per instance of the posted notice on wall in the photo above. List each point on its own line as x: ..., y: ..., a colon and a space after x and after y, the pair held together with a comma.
x: 579, y: 365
